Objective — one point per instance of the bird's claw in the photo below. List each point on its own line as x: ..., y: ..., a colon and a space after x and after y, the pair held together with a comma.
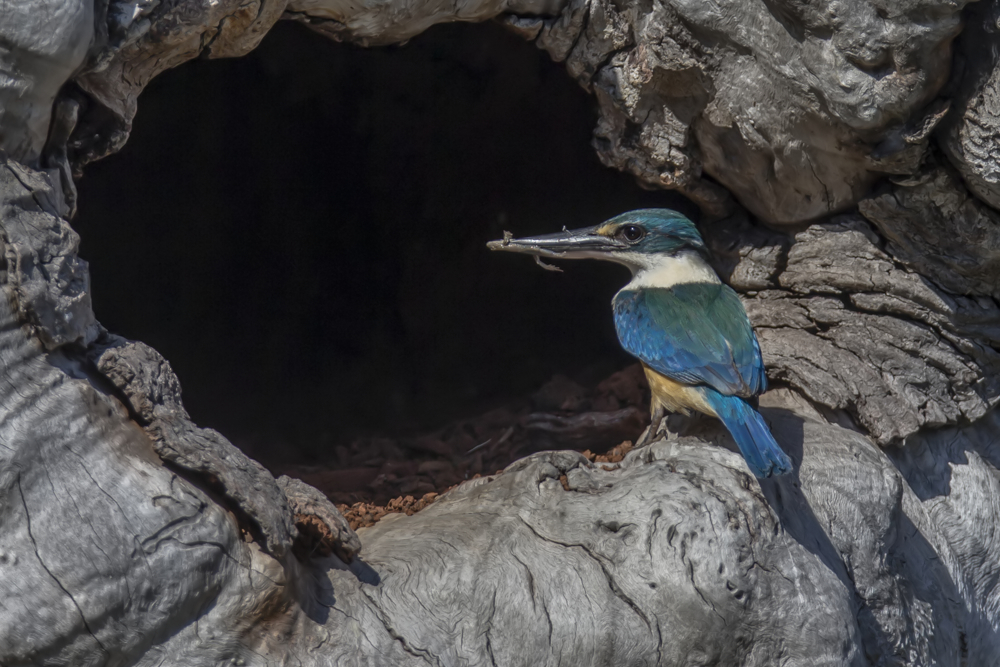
x: 652, y: 432
x: 647, y: 438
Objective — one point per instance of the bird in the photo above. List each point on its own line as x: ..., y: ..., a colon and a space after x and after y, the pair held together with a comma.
x: 689, y: 330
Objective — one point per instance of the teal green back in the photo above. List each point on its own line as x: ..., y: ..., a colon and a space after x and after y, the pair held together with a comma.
x: 696, y: 333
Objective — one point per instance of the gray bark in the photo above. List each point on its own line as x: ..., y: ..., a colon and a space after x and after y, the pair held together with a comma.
x: 131, y: 536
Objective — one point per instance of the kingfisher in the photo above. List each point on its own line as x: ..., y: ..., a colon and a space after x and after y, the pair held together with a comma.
x: 689, y: 329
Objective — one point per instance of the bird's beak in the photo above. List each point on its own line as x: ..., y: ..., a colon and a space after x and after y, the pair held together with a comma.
x: 567, y: 244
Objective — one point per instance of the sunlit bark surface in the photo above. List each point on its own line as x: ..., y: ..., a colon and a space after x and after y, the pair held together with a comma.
x: 844, y: 159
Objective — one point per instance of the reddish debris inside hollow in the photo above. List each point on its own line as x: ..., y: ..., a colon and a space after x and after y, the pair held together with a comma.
x: 373, y: 477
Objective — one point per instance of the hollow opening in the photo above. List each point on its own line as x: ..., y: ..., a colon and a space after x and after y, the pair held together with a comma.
x: 301, y: 233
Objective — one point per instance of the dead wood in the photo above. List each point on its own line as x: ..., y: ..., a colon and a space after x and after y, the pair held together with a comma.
x: 132, y: 536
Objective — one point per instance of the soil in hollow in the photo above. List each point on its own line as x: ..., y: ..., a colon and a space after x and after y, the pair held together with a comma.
x: 375, y: 476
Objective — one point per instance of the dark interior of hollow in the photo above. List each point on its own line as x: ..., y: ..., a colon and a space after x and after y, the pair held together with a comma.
x: 301, y: 233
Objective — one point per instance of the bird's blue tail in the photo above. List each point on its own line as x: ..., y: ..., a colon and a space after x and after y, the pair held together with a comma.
x: 754, y: 438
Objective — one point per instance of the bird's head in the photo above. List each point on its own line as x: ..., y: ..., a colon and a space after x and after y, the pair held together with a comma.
x: 637, y: 239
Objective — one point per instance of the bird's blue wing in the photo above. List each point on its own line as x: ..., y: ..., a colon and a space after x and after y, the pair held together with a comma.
x: 695, y: 333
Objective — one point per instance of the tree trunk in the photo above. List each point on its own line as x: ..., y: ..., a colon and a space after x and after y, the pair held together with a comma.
x: 846, y: 161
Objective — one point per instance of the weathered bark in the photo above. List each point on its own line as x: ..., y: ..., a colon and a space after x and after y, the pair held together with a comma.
x: 796, y: 108
x: 131, y: 536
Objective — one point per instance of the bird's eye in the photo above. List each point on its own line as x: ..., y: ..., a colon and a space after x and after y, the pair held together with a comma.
x: 632, y: 233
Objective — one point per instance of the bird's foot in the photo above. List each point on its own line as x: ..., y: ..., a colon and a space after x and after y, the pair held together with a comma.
x: 652, y: 432
x: 646, y: 438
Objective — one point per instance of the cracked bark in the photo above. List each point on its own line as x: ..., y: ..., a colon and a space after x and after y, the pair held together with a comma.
x: 34, y: 546
x: 157, y: 542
